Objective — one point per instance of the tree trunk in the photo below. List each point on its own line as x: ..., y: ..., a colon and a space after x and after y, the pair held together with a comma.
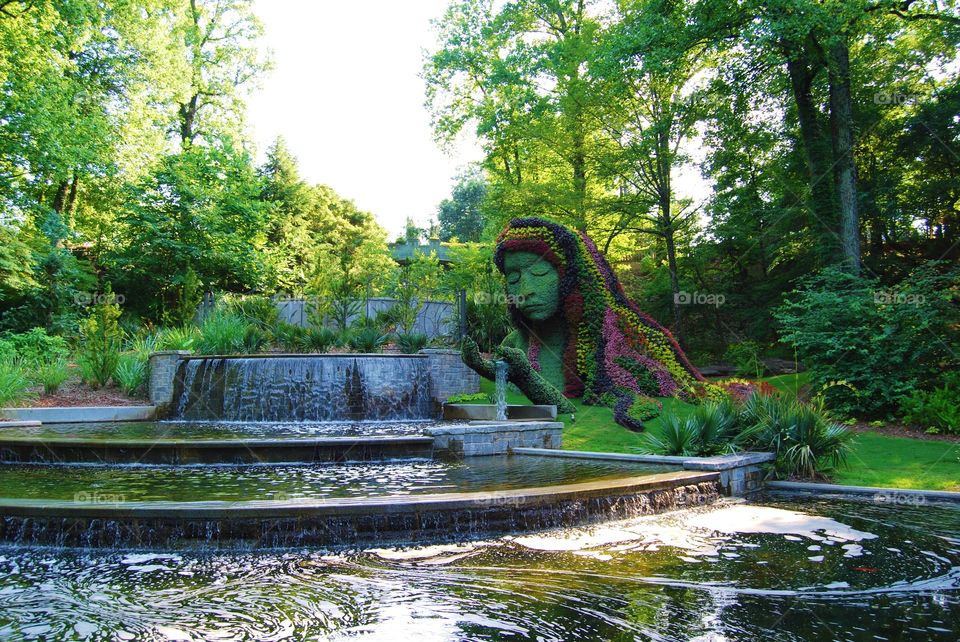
x: 802, y: 67
x: 845, y: 171
x: 188, y: 112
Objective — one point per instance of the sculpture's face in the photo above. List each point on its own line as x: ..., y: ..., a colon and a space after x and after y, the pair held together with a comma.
x: 533, y: 284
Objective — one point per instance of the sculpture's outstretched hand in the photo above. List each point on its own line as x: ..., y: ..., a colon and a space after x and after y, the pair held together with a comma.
x: 534, y: 386
x: 470, y: 353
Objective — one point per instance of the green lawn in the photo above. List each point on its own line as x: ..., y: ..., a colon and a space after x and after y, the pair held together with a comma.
x: 900, y: 462
x: 876, y: 460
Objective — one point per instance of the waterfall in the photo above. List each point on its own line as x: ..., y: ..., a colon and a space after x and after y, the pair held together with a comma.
x: 501, y: 393
x: 304, y: 388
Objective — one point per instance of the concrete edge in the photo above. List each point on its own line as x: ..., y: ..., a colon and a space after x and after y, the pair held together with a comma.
x: 85, y: 414
x: 494, y: 427
x: 20, y: 424
x: 311, y: 355
x: 880, y: 494
x: 210, y: 510
x: 585, y: 454
x: 259, y: 442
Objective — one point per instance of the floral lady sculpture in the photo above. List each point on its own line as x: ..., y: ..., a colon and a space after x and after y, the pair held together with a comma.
x: 576, y: 332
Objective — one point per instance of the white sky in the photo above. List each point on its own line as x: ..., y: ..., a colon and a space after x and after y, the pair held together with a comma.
x: 346, y: 95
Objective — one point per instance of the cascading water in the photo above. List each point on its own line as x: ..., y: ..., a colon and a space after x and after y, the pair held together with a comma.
x: 501, y: 393
x: 304, y: 388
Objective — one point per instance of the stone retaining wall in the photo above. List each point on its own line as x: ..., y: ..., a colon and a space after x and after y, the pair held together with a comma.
x: 471, y: 440
x: 450, y: 375
x: 163, y: 370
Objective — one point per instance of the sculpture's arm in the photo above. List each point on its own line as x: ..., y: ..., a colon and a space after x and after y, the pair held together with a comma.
x: 531, y: 382
x: 470, y: 353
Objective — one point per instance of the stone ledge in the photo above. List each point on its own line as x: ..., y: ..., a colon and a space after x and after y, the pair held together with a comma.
x: 87, y: 414
x: 889, y: 495
x: 727, y: 462
x: 491, y: 428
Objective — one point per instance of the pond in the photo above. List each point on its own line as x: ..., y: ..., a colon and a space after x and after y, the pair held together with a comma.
x: 782, y: 569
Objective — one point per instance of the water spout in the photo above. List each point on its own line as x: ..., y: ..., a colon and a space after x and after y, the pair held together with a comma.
x: 501, y: 393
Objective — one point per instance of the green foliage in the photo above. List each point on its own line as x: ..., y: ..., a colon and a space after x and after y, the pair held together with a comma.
x: 196, y: 218
x: 259, y: 310
x: 101, y: 342
x: 806, y: 442
x: 411, y: 343
x: 293, y: 338
x: 36, y: 346
x: 289, y: 337
x: 50, y: 374
x: 461, y: 217
x: 745, y: 355
x: 366, y: 339
x: 881, y: 343
x: 131, y: 374
x: 936, y: 410
x: 712, y: 429
x: 469, y: 397
x: 410, y: 285
x: 14, y: 383
x: 177, y: 338
x: 222, y: 333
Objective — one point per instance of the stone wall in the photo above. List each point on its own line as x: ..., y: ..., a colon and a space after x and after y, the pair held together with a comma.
x: 472, y: 440
x: 740, y: 474
x: 449, y: 374
x: 163, y: 370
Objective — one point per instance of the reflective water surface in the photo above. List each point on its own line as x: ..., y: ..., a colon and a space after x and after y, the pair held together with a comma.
x: 219, y: 429
x: 779, y: 570
x: 127, y: 483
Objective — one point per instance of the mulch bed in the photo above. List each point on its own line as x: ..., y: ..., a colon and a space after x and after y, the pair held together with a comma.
x: 76, y: 395
x: 899, y: 430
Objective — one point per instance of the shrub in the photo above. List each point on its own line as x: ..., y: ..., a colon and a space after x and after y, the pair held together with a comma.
x: 883, y: 342
x: 807, y: 444
x: 101, y: 342
x: 745, y: 355
x: 50, y: 374
x: 7, y: 351
x: 36, y: 346
x: 367, y: 339
x: 255, y: 309
x: 411, y: 343
x: 937, y: 410
x: 223, y: 333
x: 289, y: 337
x: 13, y: 382
x: 177, y: 338
x: 131, y: 374
x: 711, y: 429
x: 469, y: 397
x: 321, y: 339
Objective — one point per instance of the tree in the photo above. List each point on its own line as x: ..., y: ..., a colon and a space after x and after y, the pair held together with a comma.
x: 517, y: 74
x: 462, y: 216
x: 218, y: 39
x: 196, y: 217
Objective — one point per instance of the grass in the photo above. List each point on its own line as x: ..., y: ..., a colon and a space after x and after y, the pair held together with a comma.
x: 901, y: 462
x: 875, y: 459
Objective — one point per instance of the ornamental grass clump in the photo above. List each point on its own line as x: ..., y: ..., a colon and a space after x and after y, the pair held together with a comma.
x: 14, y: 384
x: 713, y: 428
x: 101, y: 341
x: 807, y: 443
